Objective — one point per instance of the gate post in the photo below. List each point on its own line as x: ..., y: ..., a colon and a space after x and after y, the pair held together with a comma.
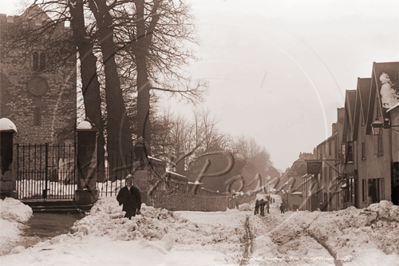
x: 86, y: 136
x: 8, y: 182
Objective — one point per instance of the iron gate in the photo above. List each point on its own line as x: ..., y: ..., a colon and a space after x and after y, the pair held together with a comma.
x: 46, y: 171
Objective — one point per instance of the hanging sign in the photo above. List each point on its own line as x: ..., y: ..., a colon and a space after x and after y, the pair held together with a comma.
x: 313, y: 167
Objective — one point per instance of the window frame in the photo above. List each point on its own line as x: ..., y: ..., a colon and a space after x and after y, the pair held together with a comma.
x: 378, y: 145
x: 42, y: 61
x: 38, y: 61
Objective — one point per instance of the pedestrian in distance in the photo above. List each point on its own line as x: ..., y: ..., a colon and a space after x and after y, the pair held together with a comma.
x: 256, y: 207
x: 267, y: 206
x: 130, y: 197
x: 262, y: 207
x: 282, y: 207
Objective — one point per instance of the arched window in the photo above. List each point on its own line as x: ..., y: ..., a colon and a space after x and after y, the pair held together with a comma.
x: 35, y: 61
x: 42, y: 61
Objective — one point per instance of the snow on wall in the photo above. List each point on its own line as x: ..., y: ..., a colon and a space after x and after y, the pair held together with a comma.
x: 389, y: 96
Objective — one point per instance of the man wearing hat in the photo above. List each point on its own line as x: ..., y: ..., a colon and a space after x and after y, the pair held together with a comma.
x: 130, y: 197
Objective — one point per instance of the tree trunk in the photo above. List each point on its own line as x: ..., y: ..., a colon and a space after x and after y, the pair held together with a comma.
x: 119, y: 137
x: 90, y: 84
x: 143, y: 100
x: 144, y: 38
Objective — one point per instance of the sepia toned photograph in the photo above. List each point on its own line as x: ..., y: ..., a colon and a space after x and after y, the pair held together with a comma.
x: 199, y: 132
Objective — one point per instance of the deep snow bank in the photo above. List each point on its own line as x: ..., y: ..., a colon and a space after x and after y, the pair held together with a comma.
x: 156, y: 237
x: 106, y: 220
x: 368, y: 236
x: 13, y: 215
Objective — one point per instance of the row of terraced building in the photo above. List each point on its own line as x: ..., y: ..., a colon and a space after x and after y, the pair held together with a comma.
x: 358, y: 164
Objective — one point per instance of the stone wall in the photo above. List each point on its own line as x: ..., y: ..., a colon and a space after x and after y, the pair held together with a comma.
x: 187, y: 202
x: 234, y: 202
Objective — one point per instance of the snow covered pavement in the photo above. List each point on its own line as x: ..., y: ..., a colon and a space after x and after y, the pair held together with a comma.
x: 159, y: 237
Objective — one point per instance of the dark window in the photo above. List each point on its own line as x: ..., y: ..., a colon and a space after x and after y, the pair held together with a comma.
x: 329, y: 148
x: 376, y: 191
x: 350, y: 152
x: 35, y: 61
x: 349, y: 193
x: 42, y: 61
x: 364, y: 190
x: 37, y: 117
x: 363, y: 150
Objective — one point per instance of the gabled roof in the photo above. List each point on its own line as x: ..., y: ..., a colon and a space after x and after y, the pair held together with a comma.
x: 328, y: 139
x: 361, y: 105
x: 392, y: 70
x: 364, y: 90
x: 350, y: 99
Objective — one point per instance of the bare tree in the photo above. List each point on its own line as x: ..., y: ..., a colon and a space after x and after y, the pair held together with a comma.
x: 156, y: 39
x: 186, y: 139
x: 88, y: 72
x: 257, y: 157
x: 119, y: 141
x: 141, y: 44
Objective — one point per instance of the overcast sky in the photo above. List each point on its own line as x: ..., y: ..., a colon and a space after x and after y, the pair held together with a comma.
x: 278, y: 70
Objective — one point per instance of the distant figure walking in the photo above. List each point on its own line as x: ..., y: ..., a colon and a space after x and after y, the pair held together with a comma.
x: 268, y: 206
x: 130, y: 197
x: 262, y: 204
x: 282, y: 207
x: 256, y: 207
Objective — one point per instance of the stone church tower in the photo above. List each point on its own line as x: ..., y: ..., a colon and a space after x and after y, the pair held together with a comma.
x: 40, y: 101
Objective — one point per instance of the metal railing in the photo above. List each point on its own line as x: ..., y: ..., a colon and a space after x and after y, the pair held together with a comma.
x: 46, y: 171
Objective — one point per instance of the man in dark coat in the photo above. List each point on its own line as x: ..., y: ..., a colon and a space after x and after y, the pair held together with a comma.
x: 282, y: 207
x: 262, y: 204
x: 130, y: 197
x: 256, y: 207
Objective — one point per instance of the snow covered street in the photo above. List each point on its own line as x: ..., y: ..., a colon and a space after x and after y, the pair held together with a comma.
x: 347, y: 237
x: 159, y: 237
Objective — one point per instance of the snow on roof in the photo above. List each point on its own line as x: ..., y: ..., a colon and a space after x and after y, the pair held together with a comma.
x: 7, y: 124
x: 155, y: 159
x: 296, y: 193
x: 195, y: 183
x: 174, y: 173
x: 393, y: 107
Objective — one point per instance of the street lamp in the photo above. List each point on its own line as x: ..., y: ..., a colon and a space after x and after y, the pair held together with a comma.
x: 377, y: 127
